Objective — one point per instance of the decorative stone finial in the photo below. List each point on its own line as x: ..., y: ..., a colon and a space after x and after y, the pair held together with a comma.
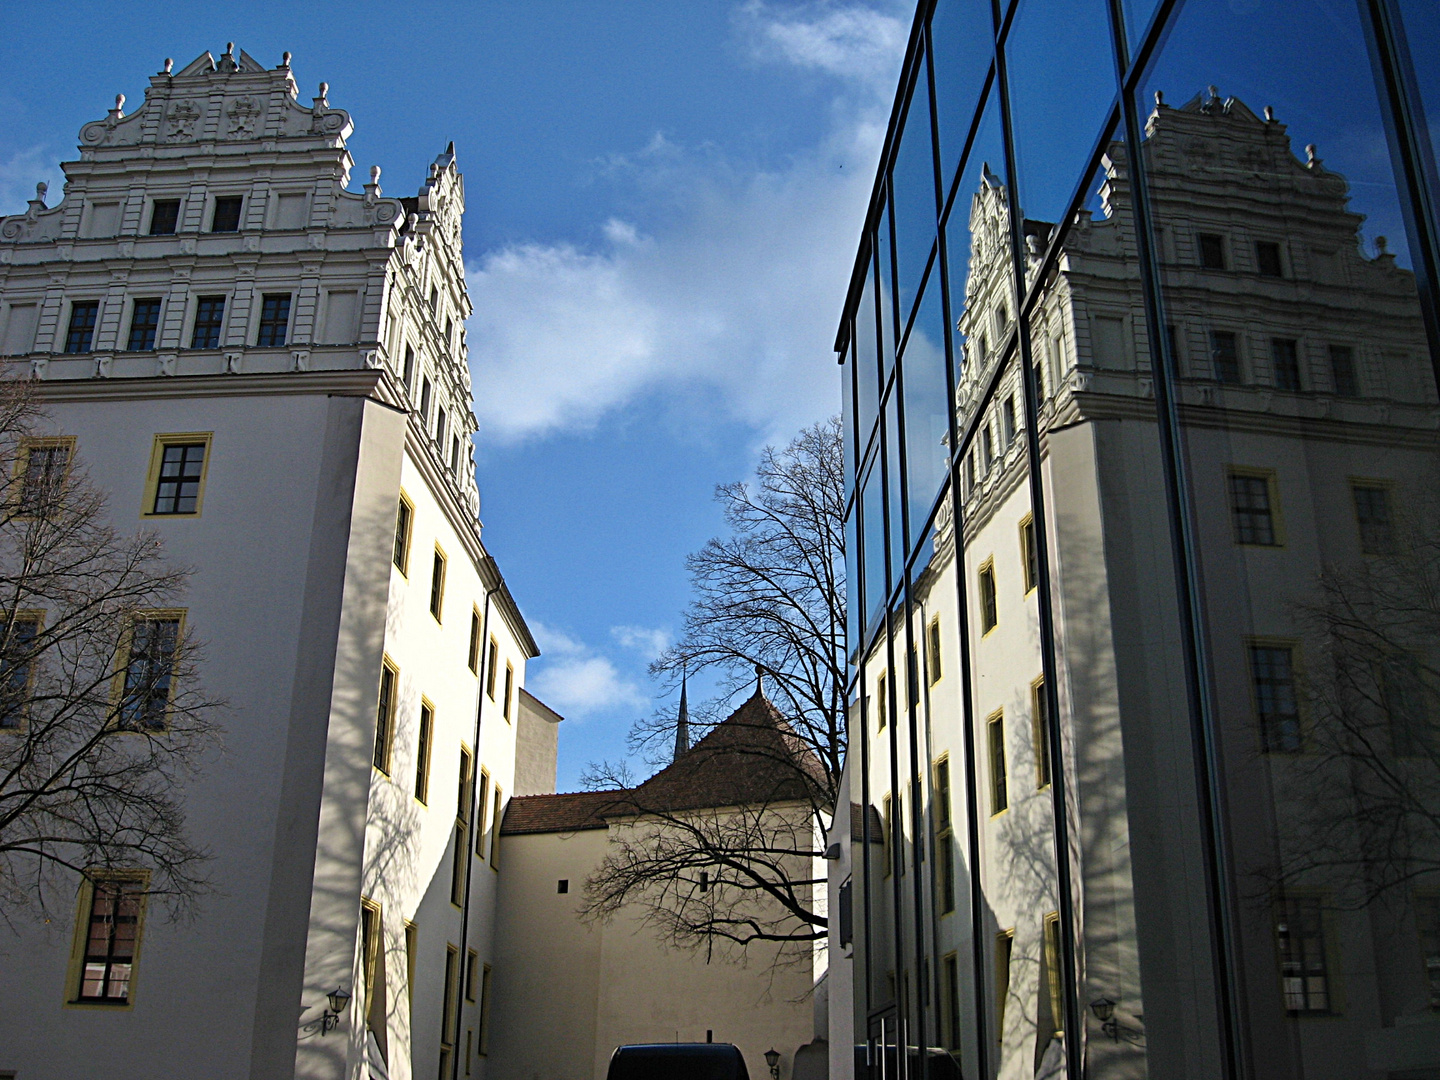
x: 760, y: 680
x: 285, y: 60
x: 324, y: 90
x: 374, y: 174
x: 1382, y: 246
x: 1159, y: 99
x: 229, y: 47
x: 1269, y: 114
x: 169, y: 63
x: 372, y: 189
x: 1311, y: 158
x: 119, y: 102
x: 1214, y: 91
x: 40, y: 189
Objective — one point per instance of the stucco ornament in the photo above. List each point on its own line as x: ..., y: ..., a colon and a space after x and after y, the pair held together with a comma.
x: 181, y: 122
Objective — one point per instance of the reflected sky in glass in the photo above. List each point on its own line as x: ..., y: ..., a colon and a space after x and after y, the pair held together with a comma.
x: 987, y: 152
x: 962, y: 37
x: 913, y: 181
x: 926, y: 423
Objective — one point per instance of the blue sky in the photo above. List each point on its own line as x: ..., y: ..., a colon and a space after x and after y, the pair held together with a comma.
x: 663, y: 202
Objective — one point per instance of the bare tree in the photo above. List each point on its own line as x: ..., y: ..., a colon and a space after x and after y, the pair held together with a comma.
x: 1363, y: 801
x: 769, y: 603
x: 102, y: 721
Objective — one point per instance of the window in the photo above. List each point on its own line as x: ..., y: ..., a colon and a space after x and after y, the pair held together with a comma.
x: 448, y: 1008
x: 1427, y: 919
x: 1051, y: 958
x: 472, y: 974
x: 1007, y: 424
x: 1029, y: 559
x: 1225, y: 357
x: 483, y: 809
x: 385, y: 716
x: 1272, y: 673
x: 177, y: 475
x: 987, y: 448
x: 912, y: 678
x: 226, y: 217
x: 509, y: 692
x: 1040, y: 733
x: 458, y: 851
x: 704, y: 882
x: 144, y: 321
x: 17, y: 655
x: 563, y: 885
x: 995, y: 741
x: 1212, y: 251
x: 472, y: 655
x: 425, y: 391
x: 1342, y: 371
x: 952, y: 1002
x: 932, y: 648
x: 437, y: 584
x: 461, y: 849
x: 434, y: 298
x: 274, y: 320
x: 81, y: 332
x: 989, y: 614
x: 148, y: 676
x: 492, y: 659
x: 407, y: 373
x: 1285, y: 360
x: 454, y: 453
x: 112, y: 911
x: 404, y: 516
x: 1004, y: 946
x: 42, y: 467
x: 209, y: 314
x: 442, y: 418
x: 888, y: 823
x: 422, y: 751
x: 1300, y: 941
x: 1267, y: 258
x: 495, y: 816
x: 164, y: 216
x: 484, y: 1041
x: 465, y: 790
x: 372, y: 941
x: 882, y: 704
x: 412, y: 957
x: 1372, y: 515
x: 944, y: 839
x: 450, y: 332
x: 1250, y: 506
x: 1407, y: 705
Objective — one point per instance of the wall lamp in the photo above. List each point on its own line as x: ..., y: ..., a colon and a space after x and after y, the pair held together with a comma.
x: 772, y: 1058
x: 337, y: 999
x: 1104, y: 1010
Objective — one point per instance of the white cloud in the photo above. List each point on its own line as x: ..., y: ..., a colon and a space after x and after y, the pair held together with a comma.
x: 732, y: 299
x: 575, y: 681
x: 648, y: 642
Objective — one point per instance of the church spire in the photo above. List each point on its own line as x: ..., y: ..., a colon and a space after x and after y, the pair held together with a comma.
x: 682, y: 722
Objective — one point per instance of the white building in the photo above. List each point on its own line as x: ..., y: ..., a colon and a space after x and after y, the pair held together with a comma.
x: 209, y: 299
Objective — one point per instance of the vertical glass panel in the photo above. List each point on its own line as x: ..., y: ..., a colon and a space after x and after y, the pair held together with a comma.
x: 853, y: 593
x: 977, y: 245
x: 1420, y: 32
x: 1307, y: 379
x: 848, y: 419
x: 1138, y: 14
x: 896, y: 484
x: 867, y: 364
x: 912, y: 183
x: 1055, y: 128
x: 872, y: 509
x: 962, y: 43
x: 927, y: 430
x: 888, y: 333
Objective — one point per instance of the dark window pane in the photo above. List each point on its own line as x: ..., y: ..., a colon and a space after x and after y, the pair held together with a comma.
x: 164, y: 215
x: 44, y: 480
x: 274, y: 319
x: 1285, y: 363
x: 1342, y: 371
x: 1211, y: 248
x: 1372, y: 514
x: 1267, y: 258
x: 144, y: 321
x: 146, y: 694
x: 1224, y: 357
x: 209, y: 314
x: 110, y: 941
x: 226, y: 217
x: 177, y: 491
x: 1272, y: 669
x: 81, y: 331
x: 1304, y: 965
x: 1250, y: 505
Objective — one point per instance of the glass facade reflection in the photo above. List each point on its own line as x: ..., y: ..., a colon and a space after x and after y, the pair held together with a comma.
x: 1140, y: 358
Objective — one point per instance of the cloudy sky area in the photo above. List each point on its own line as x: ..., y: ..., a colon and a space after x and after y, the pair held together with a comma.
x: 663, y: 203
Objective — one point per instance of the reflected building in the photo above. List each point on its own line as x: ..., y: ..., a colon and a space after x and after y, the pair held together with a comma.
x: 1168, y: 607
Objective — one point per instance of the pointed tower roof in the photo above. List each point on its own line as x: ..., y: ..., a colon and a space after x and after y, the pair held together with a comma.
x: 682, y: 723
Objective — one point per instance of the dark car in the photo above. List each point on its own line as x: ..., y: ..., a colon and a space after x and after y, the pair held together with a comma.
x: 677, y: 1061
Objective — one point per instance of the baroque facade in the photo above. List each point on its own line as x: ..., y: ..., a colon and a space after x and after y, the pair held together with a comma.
x: 269, y: 371
x: 1144, y: 693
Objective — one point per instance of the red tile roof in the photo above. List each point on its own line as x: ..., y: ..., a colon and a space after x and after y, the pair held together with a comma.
x: 753, y: 757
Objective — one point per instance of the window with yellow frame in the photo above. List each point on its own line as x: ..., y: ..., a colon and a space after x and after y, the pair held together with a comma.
x: 404, y: 525
x: 109, y: 925
x: 42, y: 466
x: 175, y: 484
x: 144, y: 685
x: 17, y: 667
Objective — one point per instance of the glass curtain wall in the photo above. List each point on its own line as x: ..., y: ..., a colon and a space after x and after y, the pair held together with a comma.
x: 1141, y: 420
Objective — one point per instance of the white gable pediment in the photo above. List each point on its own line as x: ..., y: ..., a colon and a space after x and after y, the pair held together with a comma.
x: 203, y: 64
